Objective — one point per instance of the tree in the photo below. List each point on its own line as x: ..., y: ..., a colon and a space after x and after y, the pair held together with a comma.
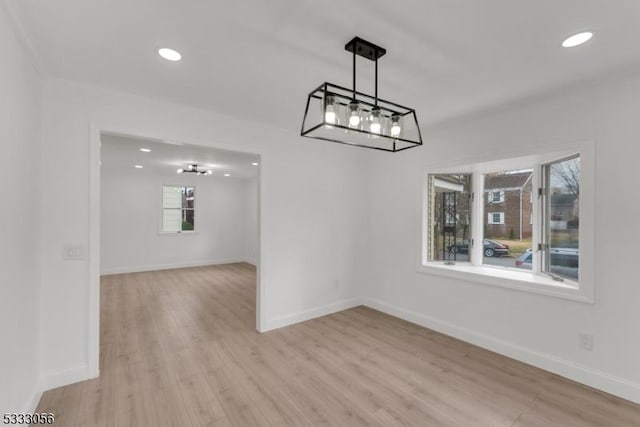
x: 568, y: 172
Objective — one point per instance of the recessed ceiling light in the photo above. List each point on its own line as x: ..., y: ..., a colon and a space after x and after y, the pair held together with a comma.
x: 577, y: 39
x: 145, y: 150
x: 138, y: 166
x: 255, y: 163
x: 226, y: 174
x: 169, y: 54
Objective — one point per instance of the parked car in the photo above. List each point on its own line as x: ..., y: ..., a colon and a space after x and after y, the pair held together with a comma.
x: 564, y: 261
x: 525, y: 260
x: 491, y: 248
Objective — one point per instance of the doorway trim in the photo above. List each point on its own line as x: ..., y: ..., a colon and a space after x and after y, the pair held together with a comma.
x: 93, y: 303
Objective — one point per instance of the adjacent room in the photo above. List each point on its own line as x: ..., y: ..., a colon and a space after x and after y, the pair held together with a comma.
x: 172, y: 205
x: 285, y: 213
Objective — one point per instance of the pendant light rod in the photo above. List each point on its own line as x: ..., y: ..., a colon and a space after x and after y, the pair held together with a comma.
x: 367, y: 50
x: 354, y: 74
x: 376, y: 93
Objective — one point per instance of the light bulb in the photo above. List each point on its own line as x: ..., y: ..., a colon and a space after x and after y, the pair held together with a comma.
x: 190, y: 167
x: 330, y: 111
x: 375, y: 126
x: 330, y: 116
x: 209, y: 172
x: 354, y: 117
x: 180, y: 170
x: 395, y: 126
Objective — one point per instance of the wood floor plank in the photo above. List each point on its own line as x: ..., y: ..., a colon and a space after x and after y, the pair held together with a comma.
x: 179, y: 348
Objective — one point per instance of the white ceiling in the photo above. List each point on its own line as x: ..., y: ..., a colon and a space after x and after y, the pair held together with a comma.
x: 258, y: 59
x: 120, y: 154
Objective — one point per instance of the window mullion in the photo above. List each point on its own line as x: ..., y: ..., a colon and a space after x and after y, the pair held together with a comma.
x: 536, y: 224
x: 477, y: 213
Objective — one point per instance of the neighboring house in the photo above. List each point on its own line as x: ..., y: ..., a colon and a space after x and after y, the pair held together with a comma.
x: 564, y: 210
x: 508, y: 205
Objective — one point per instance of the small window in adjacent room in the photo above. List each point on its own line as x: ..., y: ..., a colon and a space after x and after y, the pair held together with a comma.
x: 561, y: 186
x: 178, y: 209
x: 449, y: 218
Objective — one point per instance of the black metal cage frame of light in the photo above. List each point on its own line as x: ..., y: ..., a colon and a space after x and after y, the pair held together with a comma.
x: 349, y: 99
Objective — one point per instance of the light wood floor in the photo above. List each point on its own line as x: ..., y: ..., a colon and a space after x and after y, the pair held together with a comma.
x: 179, y: 348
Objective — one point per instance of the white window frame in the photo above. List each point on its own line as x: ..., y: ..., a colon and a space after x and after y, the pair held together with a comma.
x: 491, y: 219
x: 161, y: 230
x: 534, y: 281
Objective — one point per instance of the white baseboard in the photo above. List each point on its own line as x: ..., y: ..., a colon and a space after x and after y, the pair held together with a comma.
x: 583, y: 374
x: 251, y: 261
x: 302, y: 316
x: 169, y: 266
x: 31, y: 404
x: 65, y: 377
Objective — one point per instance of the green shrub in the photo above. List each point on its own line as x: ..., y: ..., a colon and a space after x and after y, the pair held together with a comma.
x: 512, y: 234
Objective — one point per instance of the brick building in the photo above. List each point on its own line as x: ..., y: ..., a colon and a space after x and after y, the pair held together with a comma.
x: 508, y: 202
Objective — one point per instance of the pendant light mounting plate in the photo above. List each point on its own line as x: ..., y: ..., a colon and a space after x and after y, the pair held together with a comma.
x: 365, y: 49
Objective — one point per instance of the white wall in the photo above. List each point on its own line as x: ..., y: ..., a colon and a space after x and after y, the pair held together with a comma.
x: 251, y: 221
x: 20, y: 92
x: 131, y: 220
x: 539, y: 329
x: 310, y: 210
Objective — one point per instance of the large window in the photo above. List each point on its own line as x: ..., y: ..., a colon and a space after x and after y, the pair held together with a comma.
x: 178, y: 209
x: 523, y: 229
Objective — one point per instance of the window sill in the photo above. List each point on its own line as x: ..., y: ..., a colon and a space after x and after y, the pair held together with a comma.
x: 177, y: 233
x: 508, y: 278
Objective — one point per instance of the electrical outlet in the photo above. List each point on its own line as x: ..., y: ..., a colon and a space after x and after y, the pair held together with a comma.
x: 586, y: 341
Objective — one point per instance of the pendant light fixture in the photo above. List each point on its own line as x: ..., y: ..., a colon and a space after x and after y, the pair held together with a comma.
x: 338, y: 114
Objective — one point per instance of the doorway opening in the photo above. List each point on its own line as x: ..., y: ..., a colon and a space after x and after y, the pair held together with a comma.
x: 184, y: 216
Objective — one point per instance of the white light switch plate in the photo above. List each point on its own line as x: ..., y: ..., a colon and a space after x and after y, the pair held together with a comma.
x: 73, y: 252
